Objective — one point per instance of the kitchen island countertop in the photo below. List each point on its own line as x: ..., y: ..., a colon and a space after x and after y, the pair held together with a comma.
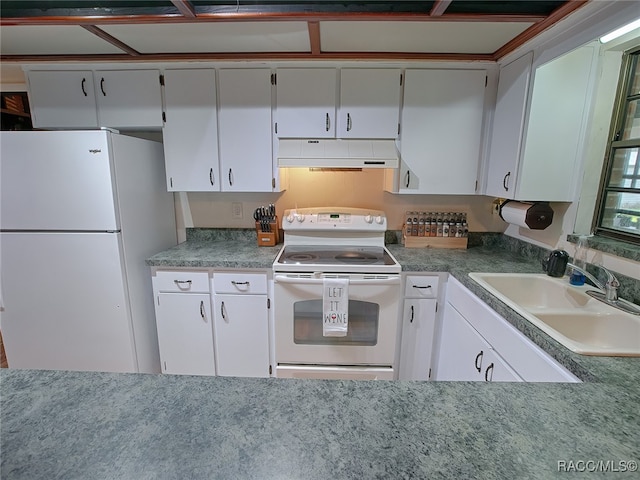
x: 121, y: 426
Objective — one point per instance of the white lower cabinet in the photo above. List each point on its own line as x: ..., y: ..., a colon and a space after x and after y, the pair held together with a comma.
x: 466, y: 356
x: 418, y: 321
x: 184, y: 322
x: 241, y: 316
x: 418, y: 327
x: 478, y: 344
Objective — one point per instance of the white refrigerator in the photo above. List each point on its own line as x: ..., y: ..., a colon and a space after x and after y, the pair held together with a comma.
x: 80, y: 212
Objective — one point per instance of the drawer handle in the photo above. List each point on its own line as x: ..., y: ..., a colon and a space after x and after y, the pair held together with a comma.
x: 202, y: 310
x: 488, y: 378
x: 479, y: 358
x: 421, y: 286
x: 233, y: 282
x: 183, y: 284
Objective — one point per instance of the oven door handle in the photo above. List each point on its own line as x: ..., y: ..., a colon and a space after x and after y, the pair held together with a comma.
x: 382, y: 280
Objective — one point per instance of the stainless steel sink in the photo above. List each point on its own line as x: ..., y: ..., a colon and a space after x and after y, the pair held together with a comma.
x: 567, y: 313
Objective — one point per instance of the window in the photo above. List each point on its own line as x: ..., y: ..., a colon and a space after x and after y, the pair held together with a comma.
x: 619, y: 209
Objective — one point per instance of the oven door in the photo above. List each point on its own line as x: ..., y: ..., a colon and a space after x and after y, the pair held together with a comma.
x: 372, y: 329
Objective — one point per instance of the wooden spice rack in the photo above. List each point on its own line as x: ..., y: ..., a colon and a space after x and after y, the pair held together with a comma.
x: 435, y: 242
x: 268, y: 239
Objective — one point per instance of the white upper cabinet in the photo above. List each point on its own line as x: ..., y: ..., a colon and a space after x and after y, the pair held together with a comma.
x: 441, y: 132
x: 508, y: 121
x: 365, y: 100
x: 85, y: 99
x: 128, y: 98
x: 61, y: 99
x: 539, y: 126
x: 369, y: 103
x: 306, y: 102
x: 190, y: 133
x: 246, y: 160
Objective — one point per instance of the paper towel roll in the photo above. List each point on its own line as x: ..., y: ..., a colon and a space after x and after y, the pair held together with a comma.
x: 534, y: 216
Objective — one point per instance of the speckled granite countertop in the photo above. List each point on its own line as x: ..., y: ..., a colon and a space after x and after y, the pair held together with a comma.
x: 124, y: 426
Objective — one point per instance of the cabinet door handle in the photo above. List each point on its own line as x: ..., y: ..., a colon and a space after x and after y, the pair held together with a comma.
x: 348, y: 122
x: 422, y: 286
x: 230, y: 178
x: 327, y: 123
x: 479, y: 359
x: 104, y: 94
x: 408, y: 179
x: 488, y: 378
x: 84, y: 81
x: 211, y: 175
x: 505, y: 180
x: 202, y: 310
x: 224, y: 317
x: 412, y: 314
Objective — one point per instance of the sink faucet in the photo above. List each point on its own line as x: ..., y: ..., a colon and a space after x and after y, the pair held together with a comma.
x: 610, y: 287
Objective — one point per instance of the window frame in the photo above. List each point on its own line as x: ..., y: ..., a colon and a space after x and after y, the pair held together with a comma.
x: 613, y: 144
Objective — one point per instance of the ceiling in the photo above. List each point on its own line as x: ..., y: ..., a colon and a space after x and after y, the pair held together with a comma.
x: 168, y: 30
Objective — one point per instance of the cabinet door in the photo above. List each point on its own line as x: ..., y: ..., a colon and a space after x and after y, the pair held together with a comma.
x: 128, y: 98
x: 190, y: 133
x: 185, y: 336
x: 246, y: 159
x: 466, y: 356
x: 418, y: 324
x: 441, y: 131
x: 241, y: 335
x: 508, y: 121
x: 558, y: 116
x: 306, y: 103
x: 61, y: 99
x: 369, y: 103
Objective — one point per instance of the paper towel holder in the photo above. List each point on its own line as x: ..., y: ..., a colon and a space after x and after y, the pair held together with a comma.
x: 531, y: 215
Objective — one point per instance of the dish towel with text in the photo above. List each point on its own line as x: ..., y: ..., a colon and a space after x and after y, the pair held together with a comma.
x: 335, y: 307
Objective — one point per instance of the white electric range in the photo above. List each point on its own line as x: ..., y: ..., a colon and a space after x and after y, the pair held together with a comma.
x: 336, y: 242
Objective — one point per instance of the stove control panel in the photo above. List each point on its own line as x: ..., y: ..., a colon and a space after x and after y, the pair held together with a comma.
x: 344, y: 218
x: 340, y: 218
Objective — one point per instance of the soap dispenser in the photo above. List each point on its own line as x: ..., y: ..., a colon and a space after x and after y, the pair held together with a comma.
x: 580, y: 261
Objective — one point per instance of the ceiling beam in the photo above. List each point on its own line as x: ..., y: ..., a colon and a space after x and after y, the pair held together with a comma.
x: 185, y: 7
x: 439, y: 7
x: 536, y: 29
x: 112, y: 40
x: 279, y: 17
x: 314, y: 37
x: 258, y: 56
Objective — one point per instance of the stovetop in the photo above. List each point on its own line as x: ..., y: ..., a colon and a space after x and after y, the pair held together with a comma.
x: 332, y: 258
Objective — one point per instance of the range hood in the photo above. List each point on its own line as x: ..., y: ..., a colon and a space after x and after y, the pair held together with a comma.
x: 335, y: 153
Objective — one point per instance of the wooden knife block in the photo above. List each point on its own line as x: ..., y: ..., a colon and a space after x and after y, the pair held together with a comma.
x: 268, y: 239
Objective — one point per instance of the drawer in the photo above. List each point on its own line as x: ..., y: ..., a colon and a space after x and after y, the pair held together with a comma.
x: 240, y: 283
x: 421, y: 286
x: 181, y: 282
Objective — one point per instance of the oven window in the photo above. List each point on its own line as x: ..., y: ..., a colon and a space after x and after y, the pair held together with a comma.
x: 362, y: 329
